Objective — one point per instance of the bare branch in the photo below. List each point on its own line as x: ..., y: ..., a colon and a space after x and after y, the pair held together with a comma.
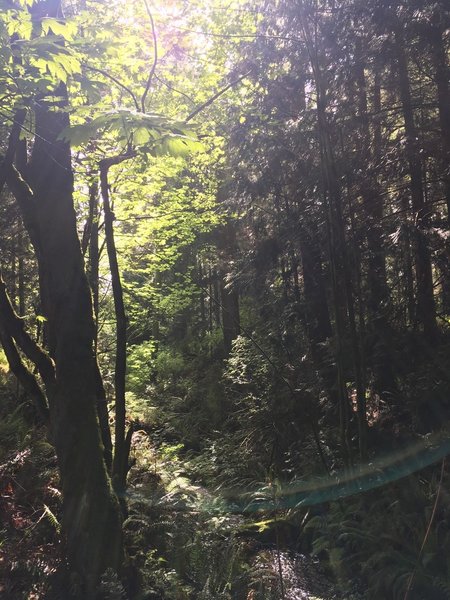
x: 215, y: 96
x: 173, y: 89
x: 23, y: 374
x: 155, y: 56
x: 12, y: 144
x: 116, y: 81
x: 14, y: 327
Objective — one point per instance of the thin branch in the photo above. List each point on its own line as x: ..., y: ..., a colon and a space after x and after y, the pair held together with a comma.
x: 23, y: 374
x: 213, y: 98
x: 12, y: 144
x: 116, y: 81
x: 173, y: 89
x: 26, y: 201
x: 14, y: 326
x: 185, y: 211
x: 242, y: 36
x: 155, y: 56
x: 106, y: 163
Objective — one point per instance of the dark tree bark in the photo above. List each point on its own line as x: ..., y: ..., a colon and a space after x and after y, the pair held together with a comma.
x: 426, y: 309
x: 341, y: 284
x: 91, y: 514
x: 14, y: 336
x: 372, y: 195
x: 121, y: 447
x: 318, y: 323
x: 90, y: 242
x: 229, y: 295
x: 369, y: 151
x: 230, y: 314
x: 14, y: 326
x: 92, y: 246
x: 202, y: 307
x: 441, y: 77
x: 340, y: 276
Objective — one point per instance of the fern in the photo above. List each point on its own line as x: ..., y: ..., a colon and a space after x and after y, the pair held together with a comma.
x: 110, y: 587
x: 52, y: 519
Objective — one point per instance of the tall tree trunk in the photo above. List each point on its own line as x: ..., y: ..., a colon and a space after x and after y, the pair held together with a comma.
x: 372, y: 197
x: 91, y: 513
x: 200, y: 277
x: 20, y: 272
x: 318, y: 323
x: 230, y: 314
x: 378, y: 301
x: 339, y: 268
x: 121, y: 444
x: 216, y: 297
x: 90, y: 244
x: 339, y: 272
x: 229, y: 295
x: 441, y: 77
x: 426, y: 309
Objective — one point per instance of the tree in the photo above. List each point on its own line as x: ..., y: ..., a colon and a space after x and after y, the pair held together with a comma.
x: 69, y: 385
x: 359, y: 181
x: 44, y: 191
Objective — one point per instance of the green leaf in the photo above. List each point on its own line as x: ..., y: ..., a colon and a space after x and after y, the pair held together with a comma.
x: 175, y: 145
x: 153, y: 132
x: 141, y: 136
x: 78, y: 135
x: 65, y: 29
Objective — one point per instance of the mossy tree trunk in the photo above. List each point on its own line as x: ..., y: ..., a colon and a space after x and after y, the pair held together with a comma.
x: 92, y: 521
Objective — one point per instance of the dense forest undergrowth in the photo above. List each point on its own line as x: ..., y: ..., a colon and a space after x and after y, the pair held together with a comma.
x: 218, y: 518
x: 224, y: 300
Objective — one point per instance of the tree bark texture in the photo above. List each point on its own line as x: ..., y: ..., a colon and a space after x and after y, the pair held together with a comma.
x: 426, y: 309
x: 91, y: 513
x: 380, y: 355
x: 120, y: 459
x: 229, y: 295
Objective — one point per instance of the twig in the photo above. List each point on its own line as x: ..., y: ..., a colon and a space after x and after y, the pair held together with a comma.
x: 116, y: 81
x: 173, y: 89
x: 155, y: 56
x: 213, y: 98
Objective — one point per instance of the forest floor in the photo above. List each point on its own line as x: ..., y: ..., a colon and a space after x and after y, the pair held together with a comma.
x: 30, y: 548
x: 218, y: 548
x: 298, y: 576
